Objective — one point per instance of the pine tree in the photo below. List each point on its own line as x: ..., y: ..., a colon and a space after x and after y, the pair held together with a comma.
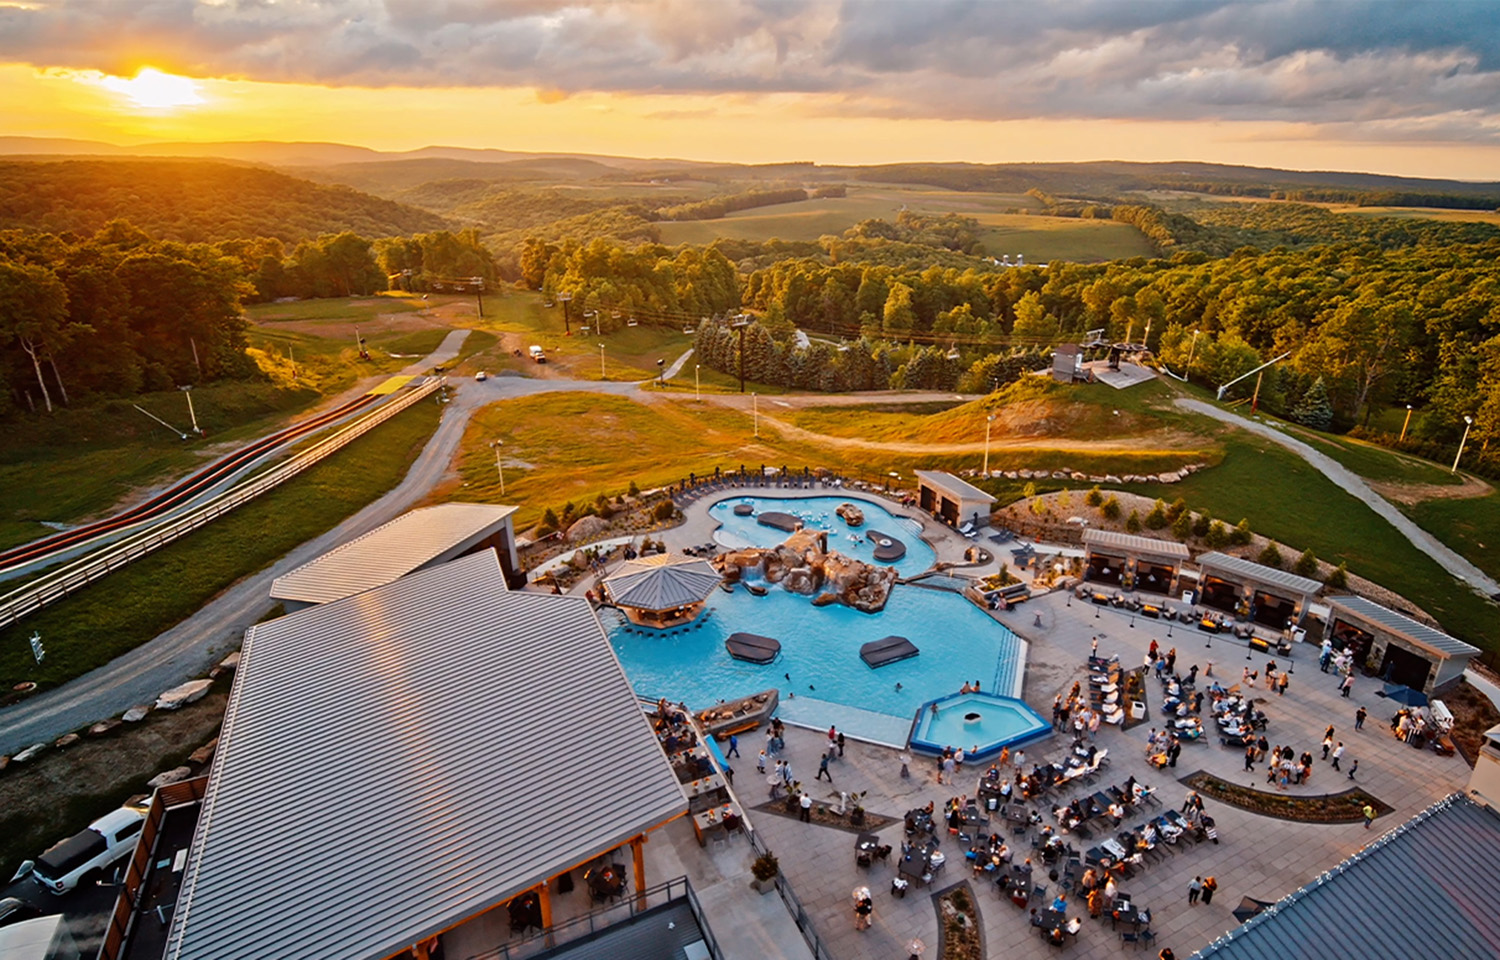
x: 1315, y: 410
x: 1339, y: 578
x: 1111, y: 508
x: 1270, y: 556
x: 1182, y: 527
x: 1157, y: 518
x: 1307, y: 564
x: 1094, y: 497
x: 1217, y: 536
x: 1242, y: 535
x: 1133, y: 522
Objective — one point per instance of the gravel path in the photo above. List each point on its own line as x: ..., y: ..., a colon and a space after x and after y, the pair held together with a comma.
x: 1355, y: 485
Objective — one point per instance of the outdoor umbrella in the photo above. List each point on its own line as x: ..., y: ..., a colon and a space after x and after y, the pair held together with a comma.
x: 1249, y: 907
x: 1404, y: 695
x: 916, y: 948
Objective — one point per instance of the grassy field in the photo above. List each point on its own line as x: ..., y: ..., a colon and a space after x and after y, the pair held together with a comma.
x: 133, y: 605
x: 1472, y: 527
x: 1422, y: 213
x: 1374, y: 462
x: 1287, y: 499
x: 1039, y: 238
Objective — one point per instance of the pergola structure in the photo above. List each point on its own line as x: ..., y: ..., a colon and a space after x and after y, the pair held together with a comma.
x: 1407, y: 651
x: 664, y: 590
x: 1133, y: 562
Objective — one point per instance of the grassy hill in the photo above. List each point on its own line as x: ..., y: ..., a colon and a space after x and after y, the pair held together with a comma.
x: 193, y: 201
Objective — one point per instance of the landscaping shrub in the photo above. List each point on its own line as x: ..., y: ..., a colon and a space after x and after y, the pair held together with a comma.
x: 1133, y: 522
x: 1200, y: 525
x: 1177, y: 509
x: 1182, y: 527
x: 1217, y: 536
x: 1157, y: 518
x: 1094, y: 497
x: 1242, y: 535
x: 1307, y: 564
x: 1270, y: 556
x: 1339, y: 578
x: 1111, y: 508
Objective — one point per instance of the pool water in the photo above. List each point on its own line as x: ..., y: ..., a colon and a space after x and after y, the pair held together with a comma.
x: 997, y: 722
x: 816, y: 513
x: 819, y: 672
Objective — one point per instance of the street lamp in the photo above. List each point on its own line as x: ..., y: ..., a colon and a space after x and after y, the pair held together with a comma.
x: 496, y: 444
x: 1468, y: 422
x: 1189, y: 371
x: 187, y: 391
x: 661, y: 371
x: 1405, y: 424
x: 740, y: 323
x: 602, y: 375
x: 988, y: 422
x: 697, y: 387
x: 755, y: 412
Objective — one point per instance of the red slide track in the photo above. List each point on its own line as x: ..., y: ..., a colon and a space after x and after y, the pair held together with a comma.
x: 177, y: 493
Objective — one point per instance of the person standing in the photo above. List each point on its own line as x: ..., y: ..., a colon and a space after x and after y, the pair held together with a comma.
x: 1281, y: 686
x: 1209, y: 886
x: 823, y: 769
x: 1353, y: 768
x: 734, y: 747
x: 1094, y: 647
x: 1348, y: 684
x: 760, y: 763
x: 1369, y: 813
x: 1194, y: 890
x: 1359, y: 718
x: 1327, y: 745
x: 1173, y: 751
x: 1338, y: 753
x: 864, y: 909
x: 806, y: 813
x: 1249, y: 756
x: 1325, y: 655
x: 841, y: 744
x: 946, y: 771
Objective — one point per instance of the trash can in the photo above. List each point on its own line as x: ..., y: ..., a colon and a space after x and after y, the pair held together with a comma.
x: 1137, y: 710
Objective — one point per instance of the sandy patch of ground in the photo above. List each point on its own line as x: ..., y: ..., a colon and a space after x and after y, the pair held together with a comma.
x: 1413, y: 493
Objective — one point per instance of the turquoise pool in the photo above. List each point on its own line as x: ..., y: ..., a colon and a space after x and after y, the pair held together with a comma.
x: 828, y: 683
x: 976, y: 722
x: 816, y: 513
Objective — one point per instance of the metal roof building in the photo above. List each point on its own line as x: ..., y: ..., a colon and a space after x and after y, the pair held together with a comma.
x: 396, y: 762
x: 951, y: 498
x: 1133, y: 545
x: 1429, y: 888
x: 662, y: 582
x: 1268, y: 595
x: 1412, y: 652
x: 412, y: 541
x: 1140, y: 563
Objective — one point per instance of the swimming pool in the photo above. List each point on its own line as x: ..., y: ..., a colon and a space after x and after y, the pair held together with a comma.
x: 816, y: 513
x: 978, y: 723
x: 819, y: 673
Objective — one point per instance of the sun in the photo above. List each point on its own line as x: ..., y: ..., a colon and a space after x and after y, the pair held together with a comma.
x: 153, y: 90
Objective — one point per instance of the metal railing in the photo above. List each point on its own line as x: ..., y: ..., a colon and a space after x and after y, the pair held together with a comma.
x: 55, y: 585
x: 631, y: 907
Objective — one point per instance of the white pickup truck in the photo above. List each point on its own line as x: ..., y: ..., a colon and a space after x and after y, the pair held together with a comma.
x: 537, y: 354
x: 107, y: 840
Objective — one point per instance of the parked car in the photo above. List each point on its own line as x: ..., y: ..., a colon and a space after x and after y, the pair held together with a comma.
x: 14, y: 910
x: 537, y: 354
x: 481, y: 376
x: 109, y: 839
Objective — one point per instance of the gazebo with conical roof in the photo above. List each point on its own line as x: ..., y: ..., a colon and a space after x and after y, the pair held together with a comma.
x: 664, y: 590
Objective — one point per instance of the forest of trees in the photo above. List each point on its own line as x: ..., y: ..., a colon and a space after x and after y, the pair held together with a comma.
x: 193, y: 201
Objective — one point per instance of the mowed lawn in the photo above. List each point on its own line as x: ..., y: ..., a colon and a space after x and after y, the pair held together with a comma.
x: 1472, y: 527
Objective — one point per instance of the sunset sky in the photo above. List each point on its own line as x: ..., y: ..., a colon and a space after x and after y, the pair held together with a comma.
x: 1410, y: 87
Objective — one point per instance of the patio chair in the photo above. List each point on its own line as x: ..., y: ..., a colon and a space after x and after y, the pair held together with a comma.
x: 1127, y: 936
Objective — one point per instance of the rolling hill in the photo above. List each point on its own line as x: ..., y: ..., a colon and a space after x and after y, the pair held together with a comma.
x: 193, y: 201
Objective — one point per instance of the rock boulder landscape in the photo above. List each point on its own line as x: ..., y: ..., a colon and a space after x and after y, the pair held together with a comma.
x: 804, y: 564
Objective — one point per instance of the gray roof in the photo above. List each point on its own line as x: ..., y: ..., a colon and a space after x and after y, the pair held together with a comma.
x: 390, y: 551
x: 1134, y: 544
x: 1404, y: 626
x: 960, y: 488
x: 1259, y: 572
x: 1430, y: 888
x: 396, y: 762
x: 662, y: 582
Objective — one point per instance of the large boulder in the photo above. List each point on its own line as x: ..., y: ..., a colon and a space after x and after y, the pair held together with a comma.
x: 30, y: 753
x: 136, y: 713
x: 168, y: 777
x: 183, y: 694
x: 803, y: 580
x: 853, y: 516
x: 104, y: 728
x: 587, y: 528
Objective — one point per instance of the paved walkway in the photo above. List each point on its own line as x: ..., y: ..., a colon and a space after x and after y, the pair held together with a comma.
x: 1356, y: 486
x: 1257, y: 856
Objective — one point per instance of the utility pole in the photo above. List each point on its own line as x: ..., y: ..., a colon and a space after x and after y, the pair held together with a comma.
x: 1468, y: 422
x: 565, y: 298
x: 740, y: 324
x: 697, y: 387
x: 988, y: 422
x: 1405, y: 423
x: 194, y: 344
x: 479, y: 295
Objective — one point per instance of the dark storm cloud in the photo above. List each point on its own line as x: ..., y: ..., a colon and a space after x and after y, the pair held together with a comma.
x: 1429, y: 66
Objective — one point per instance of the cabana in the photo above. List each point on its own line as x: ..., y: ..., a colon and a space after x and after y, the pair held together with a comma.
x: 1408, y: 652
x: 952, y: 500
x: 1139, y: 563
x: 1273, y: 597
x: 664, y: 590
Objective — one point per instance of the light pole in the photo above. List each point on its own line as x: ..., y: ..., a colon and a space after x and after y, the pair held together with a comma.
x: 697, y: 386
x: 187, y: 391
x: 988, y: 422
x: 740, y: 323
x: 661, y: 373
x: 1189, y: 371
x: 1468, y: 422
x: 602, y: 375
x: 755, y: 412
x: 1406, y: 423
x: 496, y: 444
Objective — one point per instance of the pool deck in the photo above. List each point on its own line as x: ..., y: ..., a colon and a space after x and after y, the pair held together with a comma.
x: 1257, y: 856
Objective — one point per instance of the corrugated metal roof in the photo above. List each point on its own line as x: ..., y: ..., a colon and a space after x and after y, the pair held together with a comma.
x: 957, y: 486
x: 1399, y: 623
x: 389, y: 551
x: 1259, y: 572
x: 1430, y: 888
x: 1134, y: 544
x: 662, y: 582
x: 400, y: 760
